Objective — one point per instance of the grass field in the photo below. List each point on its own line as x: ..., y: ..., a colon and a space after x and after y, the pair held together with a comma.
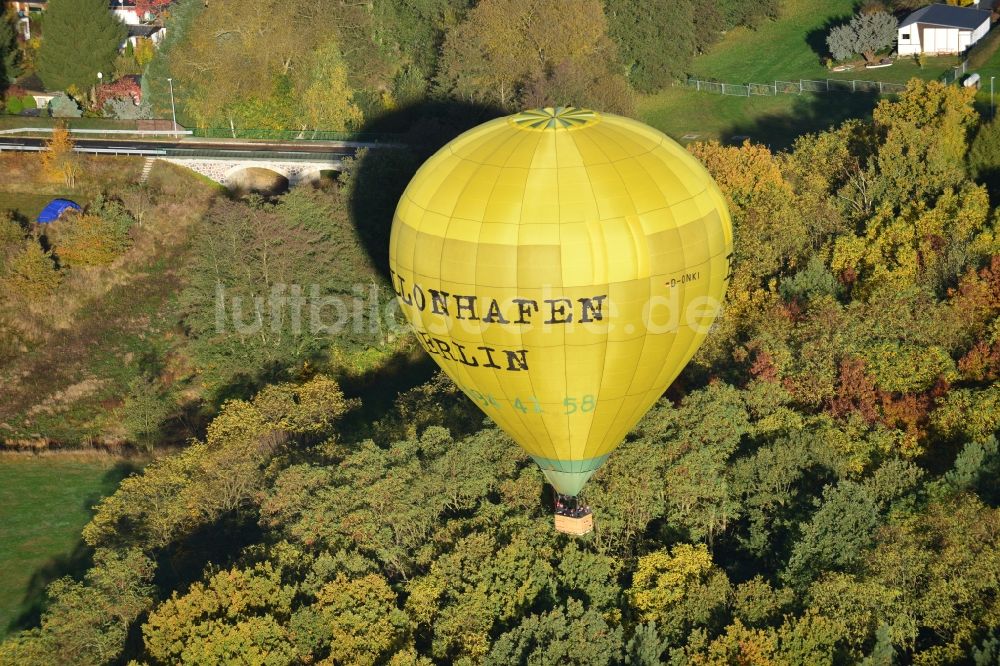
x: 30, y: 205
x: 788, y: 49
x: 44, y: 503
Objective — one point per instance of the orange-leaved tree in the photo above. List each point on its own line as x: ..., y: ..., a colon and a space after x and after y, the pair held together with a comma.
x: 59, y: 161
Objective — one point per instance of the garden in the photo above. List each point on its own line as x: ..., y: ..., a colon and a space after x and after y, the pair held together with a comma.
x: 51, y: 76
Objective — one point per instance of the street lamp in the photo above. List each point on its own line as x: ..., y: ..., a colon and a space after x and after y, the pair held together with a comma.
x: 173, y: 110
x: 99, y: 77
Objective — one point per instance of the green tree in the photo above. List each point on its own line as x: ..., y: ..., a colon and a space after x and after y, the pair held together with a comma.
x: 82, y: 38
x: 656, y: 39
x: 87, y: 623
x: 573, y: 635
x: 865, y: 34
x: 145, y: 410
x: 984, y: 155
x: 417, y: 27
x: 10, y: 54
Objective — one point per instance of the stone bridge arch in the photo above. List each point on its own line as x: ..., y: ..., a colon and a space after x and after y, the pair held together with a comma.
x: 222, y: 170
x: 227, y: 178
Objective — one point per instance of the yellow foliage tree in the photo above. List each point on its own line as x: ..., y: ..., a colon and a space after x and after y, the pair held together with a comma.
x: 327, y: 101
x: 930, y: 241
x: 30, y: 273
x: 504, y: 45
x: 59, y: 161
x: 679, y: 589
x: 88, y: 240
x: 144, y: 51
x: 925, y: 143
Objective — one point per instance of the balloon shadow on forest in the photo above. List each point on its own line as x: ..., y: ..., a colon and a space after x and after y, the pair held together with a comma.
x: 414, y: 132
x: 73, y: 564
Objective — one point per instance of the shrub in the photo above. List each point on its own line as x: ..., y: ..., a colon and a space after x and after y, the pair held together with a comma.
x: 95, y: 238
x: 28, y: 102
x: 126, y: 109
x: 14, y: 106
x: 144, y: 51
x: 30, y: 273
x: 126, y: 65
x: 63, y: 106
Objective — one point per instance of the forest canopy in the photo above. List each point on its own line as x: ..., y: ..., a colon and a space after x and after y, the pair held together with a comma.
x: 817, y: 487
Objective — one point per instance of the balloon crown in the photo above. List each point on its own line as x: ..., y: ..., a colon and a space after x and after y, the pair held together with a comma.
x: 558, y: 117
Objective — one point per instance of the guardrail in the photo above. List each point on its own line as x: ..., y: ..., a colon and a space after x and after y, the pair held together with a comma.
x: 123, y: 150
x: 48, y: 130
x: 193, y: 153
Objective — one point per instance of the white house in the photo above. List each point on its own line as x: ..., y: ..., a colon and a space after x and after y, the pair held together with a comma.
x: 124, y: 11
x: 942, y: 29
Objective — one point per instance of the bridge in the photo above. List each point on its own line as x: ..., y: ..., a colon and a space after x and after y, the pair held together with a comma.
x: 222, y: 161
x: 223, y: 166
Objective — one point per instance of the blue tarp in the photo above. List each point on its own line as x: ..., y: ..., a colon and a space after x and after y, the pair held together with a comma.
x: 55, y: 208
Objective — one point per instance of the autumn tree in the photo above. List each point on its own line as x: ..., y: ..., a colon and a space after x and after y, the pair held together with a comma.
x: 87, y: 240
x: 59, y: 159
x: 925, y: 134
x: 504, y: 46
x: 327, y: 99
x: 82, y: 38
x: 29, y: 272
x: 655, y: 39
x: 240, y: 614
x: 679, y: 589
x: 223, y: 77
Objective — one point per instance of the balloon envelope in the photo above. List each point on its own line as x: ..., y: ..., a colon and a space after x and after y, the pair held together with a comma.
x: 562, y: 266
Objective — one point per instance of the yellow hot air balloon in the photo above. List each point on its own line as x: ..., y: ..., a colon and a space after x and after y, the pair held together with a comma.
x: 562, y: 266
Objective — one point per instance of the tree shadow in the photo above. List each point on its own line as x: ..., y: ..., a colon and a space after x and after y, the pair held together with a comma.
x: 810, y: 112
x: 73, y: 564
x: 379, y: 388
x: 816, y: 38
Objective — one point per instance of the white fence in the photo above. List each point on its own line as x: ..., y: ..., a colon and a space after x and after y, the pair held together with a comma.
x: 796, y: 87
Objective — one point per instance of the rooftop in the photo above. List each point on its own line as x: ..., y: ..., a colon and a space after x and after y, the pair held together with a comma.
x: 142, y: 30
x: 949, y: 16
